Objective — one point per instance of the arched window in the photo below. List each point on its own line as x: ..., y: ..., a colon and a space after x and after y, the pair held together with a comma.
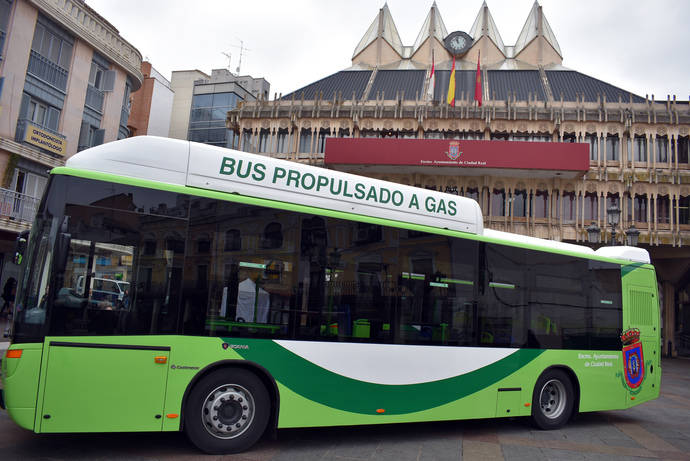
x: 591, y: 209
x: 662, y: 209
x: 519, y: 203
x: 203, y: 244
x: 498, y: 201
x: 641, y: 208
x: 541, y: 204
x: 233, y: 240
x: 569, y: 206
x: 273, y: 236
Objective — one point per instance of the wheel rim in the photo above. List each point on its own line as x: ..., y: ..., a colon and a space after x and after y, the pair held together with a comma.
x: 552, y: 399
x: 228, y: 411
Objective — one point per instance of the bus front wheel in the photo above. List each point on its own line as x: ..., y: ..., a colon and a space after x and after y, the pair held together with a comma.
x: 227, y: 411
x: 552, y: 400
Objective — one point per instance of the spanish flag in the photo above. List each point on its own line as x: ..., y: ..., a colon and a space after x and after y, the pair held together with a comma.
x: 478, y: 84
x: 450, y: 99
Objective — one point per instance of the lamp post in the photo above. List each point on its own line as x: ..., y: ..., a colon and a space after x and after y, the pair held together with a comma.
x: 632, y: 234
x: 614, y: 214
x: 593, y: 233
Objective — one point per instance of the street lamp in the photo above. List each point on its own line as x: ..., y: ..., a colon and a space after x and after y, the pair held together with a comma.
x: 593, y: 233
x: 632, y: 234
x: 614, y: 214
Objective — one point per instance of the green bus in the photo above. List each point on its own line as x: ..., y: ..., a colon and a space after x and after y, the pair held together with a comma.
x: 259, y: 294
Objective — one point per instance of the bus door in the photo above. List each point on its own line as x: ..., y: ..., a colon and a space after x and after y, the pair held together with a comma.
x: 96, y: 377
x: 97, y: 387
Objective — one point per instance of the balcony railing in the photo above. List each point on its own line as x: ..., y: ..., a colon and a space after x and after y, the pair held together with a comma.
x: 16, y: 206
x: 48, y: 71
x: 94, y: 98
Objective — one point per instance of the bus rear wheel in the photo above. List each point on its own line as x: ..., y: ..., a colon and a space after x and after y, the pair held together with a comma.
x: 553, y: 400
x: 227, y: 411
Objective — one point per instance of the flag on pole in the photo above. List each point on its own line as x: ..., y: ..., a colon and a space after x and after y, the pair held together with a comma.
x: 450, y: 99
x: 432, y: 80
x: 478, y: 83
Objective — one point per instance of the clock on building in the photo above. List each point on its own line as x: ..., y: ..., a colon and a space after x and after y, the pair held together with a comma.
x: 457, y: 43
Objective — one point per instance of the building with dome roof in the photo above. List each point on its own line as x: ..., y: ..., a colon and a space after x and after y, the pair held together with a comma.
x: 545, y: 150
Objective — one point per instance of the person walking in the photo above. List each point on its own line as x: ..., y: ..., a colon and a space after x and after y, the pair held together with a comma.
x: 8, y: 293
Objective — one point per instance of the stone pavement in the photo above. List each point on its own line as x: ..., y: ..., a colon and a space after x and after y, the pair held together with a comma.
x: 654, y: 430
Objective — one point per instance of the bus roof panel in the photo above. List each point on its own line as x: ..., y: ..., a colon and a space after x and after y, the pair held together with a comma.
x: 186, y: 163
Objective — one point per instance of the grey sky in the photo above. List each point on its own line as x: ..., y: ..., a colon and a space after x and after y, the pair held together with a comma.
x: 640, y: 46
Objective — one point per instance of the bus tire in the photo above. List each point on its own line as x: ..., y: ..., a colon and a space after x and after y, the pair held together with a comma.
x: 553, y: 400
x: 227, y: 411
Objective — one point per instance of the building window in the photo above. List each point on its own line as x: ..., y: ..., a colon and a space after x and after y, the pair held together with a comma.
x: 498, y: 202
x: 684, y: 210
x: 369, y: 134
x: 207, y: 120
x: 264, y: 139
x: 149, y: 248
x: 569, y: 137
x: 541, y: 204
x: 473, y: 193
x: 683, y: 149
x: 640, y: 148
x: 519, y: 203
x: 499, y: 136
x: 344, y: 133
x: 593, y: 142
x: 641, y: 208
x: 5, y: 10
x: 662, y: 149
x: 233, y: 241
x: 433, y: 134
x: 40, y: 113
x: 591, y: 208
x: 273, y: 236
x: 323, y: 134
x: 569, y: 207
x: 247, y: 141
x: 628, y: 206
x: 662, y: 209
x: 90, y: 136
x: 283, y: 146
x: 51, y: 46
x: 305, y: 140
x: 203, y: 245
x: 612, y: 148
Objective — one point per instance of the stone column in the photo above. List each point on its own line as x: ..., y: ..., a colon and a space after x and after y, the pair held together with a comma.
x: 669, y: 318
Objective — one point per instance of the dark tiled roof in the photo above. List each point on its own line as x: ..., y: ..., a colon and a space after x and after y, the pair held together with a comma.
x: 503, y: 83
x: 390, y: 83
x: 464, y: 81
x: 345, y: 82
x: 572, y: 84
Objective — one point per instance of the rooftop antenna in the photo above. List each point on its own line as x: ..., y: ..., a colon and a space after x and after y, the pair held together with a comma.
x: 229, y: 56
x: 242, y: 50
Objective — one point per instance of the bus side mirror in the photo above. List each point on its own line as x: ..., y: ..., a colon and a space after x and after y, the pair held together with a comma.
x: 20, y: 247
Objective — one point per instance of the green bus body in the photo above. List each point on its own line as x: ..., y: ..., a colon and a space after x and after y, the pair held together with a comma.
x: 141, y: 382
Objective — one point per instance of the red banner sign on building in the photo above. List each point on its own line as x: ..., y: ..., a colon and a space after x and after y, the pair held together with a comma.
x: 567, y: 159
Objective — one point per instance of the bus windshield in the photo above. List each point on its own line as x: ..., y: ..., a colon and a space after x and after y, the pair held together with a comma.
x: 32, y: 295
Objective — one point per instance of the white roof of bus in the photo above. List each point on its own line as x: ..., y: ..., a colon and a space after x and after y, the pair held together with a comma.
x: 192, y: 164
x: 186, y: 163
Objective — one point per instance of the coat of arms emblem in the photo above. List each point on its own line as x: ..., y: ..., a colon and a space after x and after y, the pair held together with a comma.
x: 633, y: 358
x: 453, y: 150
